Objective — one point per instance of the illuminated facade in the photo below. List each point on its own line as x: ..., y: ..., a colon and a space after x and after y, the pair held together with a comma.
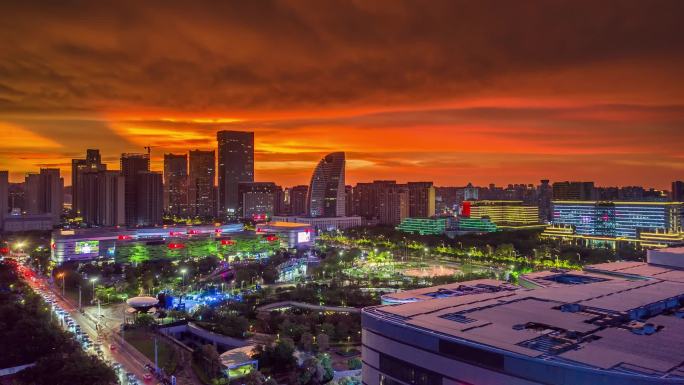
x: 650, y: 224
x: 501, y: 212
x: 423, y: 226
x: 476, y: 225
x: 326, y: 195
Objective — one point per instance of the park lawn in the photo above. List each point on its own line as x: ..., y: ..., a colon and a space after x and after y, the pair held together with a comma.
x: 144, y: 342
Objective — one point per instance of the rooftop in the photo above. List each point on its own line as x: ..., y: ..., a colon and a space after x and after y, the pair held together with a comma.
x: 624, y: 316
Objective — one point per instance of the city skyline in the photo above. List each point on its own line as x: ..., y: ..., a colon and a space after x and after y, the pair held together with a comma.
x: 596, y: 96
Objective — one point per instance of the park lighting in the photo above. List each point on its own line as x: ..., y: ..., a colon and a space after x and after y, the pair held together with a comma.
x: 183, y: 271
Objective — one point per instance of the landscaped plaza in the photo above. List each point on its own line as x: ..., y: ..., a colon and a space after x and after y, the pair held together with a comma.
x: 287, y: 305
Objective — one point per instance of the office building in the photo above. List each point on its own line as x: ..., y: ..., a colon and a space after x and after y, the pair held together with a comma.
x: 92, y: 162
x: 326, y: 195
x: 447, y: 199
x: 102, y: 198
x: 201, y: 192
x: 574, y: 191
x: 176, y: 184
x: 393, y: 205
x: 501, y: 213
x: 131, y: 166
x: 471, y: 193
x: 297, y: 200
x: 256, y: 200
x: 280, y: 203
x: 677, y: 193
x: 544, y: 198
x: 44, y: 193
x: 323, y: 223
x: 4, y: 196
x: 150, y: 196
x: 367, y: 197
x: 615, y: 323
x: 595, y: 223
x: 423, y: 226
x: 421, y: 199
x: 235, y: 165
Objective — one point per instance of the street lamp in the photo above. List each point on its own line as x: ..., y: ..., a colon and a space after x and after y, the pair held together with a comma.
x: 93, y: 280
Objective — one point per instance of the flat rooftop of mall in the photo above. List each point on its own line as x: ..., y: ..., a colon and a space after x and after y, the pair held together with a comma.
x: 622, y: 316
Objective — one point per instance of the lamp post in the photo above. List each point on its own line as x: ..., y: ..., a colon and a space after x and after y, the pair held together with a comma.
x: 93, y: 280
x: 183, y: 271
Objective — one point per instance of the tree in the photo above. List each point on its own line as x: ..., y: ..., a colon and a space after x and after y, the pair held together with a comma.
x: 306, y: 342
x: 75, y: 369
x: 145, y: 320
x: 323, y: 342
x: 354, y: 363
x: 209, y: 359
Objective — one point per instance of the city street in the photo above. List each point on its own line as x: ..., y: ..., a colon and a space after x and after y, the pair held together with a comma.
x: 131, y: 360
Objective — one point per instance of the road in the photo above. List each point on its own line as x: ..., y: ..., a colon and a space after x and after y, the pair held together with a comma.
x: 131, y: 360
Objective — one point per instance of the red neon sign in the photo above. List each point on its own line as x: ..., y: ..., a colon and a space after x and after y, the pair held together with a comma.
x: 272, y: 238
x: 193, y: 232
x: 124, y: 237
x: 465, y: 209
x: 227, y: 242
x: 176, y: 246
x: 4, y: 250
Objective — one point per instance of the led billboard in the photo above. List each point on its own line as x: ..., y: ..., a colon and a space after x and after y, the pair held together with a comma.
x: 87, y: 247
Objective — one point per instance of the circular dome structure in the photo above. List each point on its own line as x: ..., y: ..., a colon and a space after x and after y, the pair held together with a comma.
x: 142, y: 303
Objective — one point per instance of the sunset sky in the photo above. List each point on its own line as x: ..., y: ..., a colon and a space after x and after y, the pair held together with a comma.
x: 448, y: 91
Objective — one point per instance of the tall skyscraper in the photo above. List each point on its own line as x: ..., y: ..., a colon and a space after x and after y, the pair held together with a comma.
x: 92, y: 162
x: 235, y: 165
x: 677, y: 191
x: 44, y: 193
x: 393, y: 204
x: 131, y: 166
x: 201, y: 195
x: 326, y: 196
x: 574, y: 191
x: 102, y: 198
x: 297, y: 196
x: 150, y: 196
x: 175, y: 184
x: 421, y: 199
x: 4, y: 196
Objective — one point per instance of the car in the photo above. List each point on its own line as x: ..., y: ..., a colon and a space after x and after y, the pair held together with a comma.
x: 112, y: 347
x: 147, y: 377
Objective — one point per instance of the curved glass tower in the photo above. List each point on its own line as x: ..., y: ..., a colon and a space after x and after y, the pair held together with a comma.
x: 326, y: 190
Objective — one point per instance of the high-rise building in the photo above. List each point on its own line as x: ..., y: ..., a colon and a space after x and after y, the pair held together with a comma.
x: 44, y: 193
x: 102, y: 198
x: 326, y: 196
x: 235, y: 165
x: 131, y: 166
x: 150, y: 197
x: 175, y: 184
x: 297, y: 197
x: 92, y: 162
x: 574, y: 191
x: 348, y: 200
x: 4, y: 196
x: 393, y: 204
x: 201, y: 193
x: 256, y: 200
x: 544, y: 197
x: 421, y: 199
x: 279, y: 205
x: 677, y: 193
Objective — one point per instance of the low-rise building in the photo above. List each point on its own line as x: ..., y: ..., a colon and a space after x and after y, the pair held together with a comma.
x: 616, y: 323
x: 323, y: 223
